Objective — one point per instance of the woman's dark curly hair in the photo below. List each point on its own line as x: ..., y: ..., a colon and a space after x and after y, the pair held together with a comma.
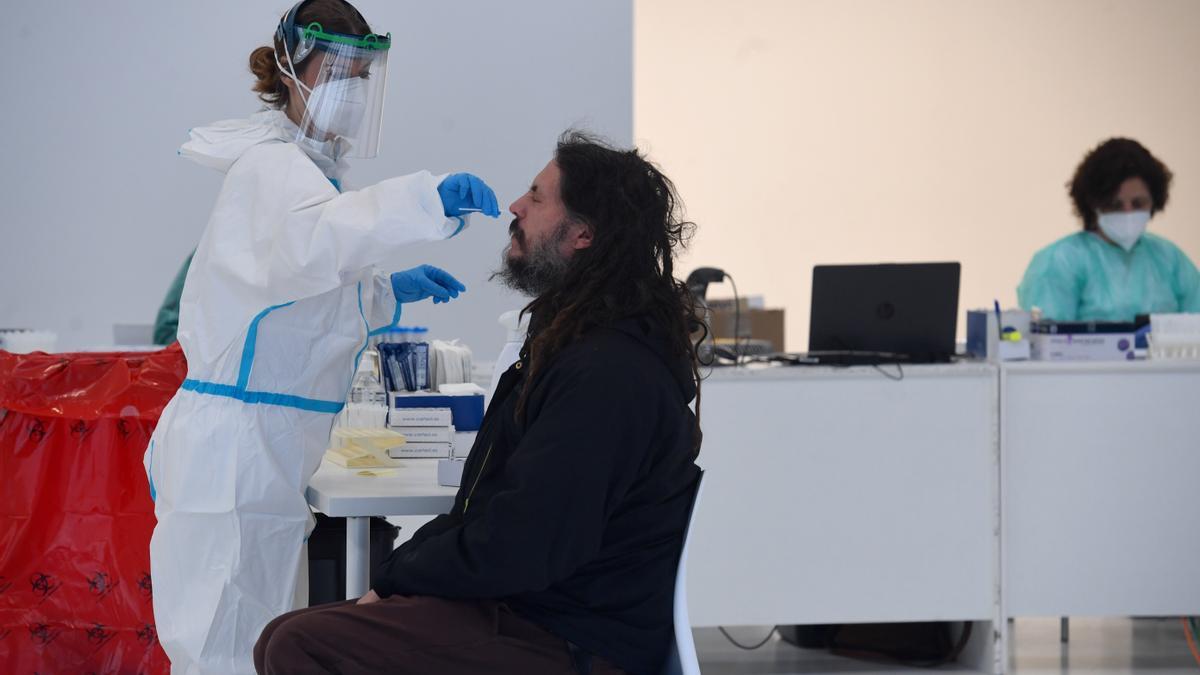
x: 637, y: 229
x: 1109, y: 164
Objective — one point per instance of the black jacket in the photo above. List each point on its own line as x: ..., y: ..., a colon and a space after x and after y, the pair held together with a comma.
x: 574, y: 516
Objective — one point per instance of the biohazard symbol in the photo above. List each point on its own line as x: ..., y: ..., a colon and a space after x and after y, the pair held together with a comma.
x: 79, y: 428
x: 98, y: 634
x: 145, y: 585
x: 101, y: 585
x: 43, y: 585
x: 146, y: 634
x: 123, y: 428
x: 37, y: 431
x: 42, y: 634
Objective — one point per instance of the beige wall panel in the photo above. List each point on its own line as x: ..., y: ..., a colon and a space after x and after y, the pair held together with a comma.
x: 805, y: 132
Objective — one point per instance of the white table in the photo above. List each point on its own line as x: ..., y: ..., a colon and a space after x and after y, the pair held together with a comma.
x: 1101, y: 488
x: 839, y: 496
x: 408, y: 490
x: 962, y: 492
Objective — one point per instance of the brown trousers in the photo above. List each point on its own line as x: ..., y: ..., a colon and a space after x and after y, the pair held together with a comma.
x: 418, y: 635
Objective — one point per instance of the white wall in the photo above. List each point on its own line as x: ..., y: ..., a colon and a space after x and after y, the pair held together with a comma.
x: 802, y: 132
x: 98, y: 211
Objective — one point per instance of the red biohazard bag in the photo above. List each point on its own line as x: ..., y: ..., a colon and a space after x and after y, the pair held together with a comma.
x: 75, y: 510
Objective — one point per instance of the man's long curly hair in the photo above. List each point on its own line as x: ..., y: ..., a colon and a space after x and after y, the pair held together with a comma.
x: 629, y: 269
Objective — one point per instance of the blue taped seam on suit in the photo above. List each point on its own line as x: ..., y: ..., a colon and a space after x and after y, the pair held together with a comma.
x: 263, y: 397
x: 239, y: 391
x: 383, y: 329
x: 367, y: 341
x: 150, y: 474
x: 251, y: 342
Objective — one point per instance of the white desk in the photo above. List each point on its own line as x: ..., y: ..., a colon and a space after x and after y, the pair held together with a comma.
x: 962, y: 492
x: 409, y: 490
x: 1101, y: 488
x: 839, y: 495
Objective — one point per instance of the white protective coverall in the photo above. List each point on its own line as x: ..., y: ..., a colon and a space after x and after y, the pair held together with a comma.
x: 276, y: 309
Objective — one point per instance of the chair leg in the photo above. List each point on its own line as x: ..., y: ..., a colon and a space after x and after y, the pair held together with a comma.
x: 1064, y: 629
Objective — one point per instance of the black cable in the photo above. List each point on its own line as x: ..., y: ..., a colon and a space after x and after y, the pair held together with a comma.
x: 709, y: 336
x: 895, y: 378
x: 737, y: 321
x: 1194, y: 639
x: 742, y: 646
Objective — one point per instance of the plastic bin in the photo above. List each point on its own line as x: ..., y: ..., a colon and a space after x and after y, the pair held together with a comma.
x: 75, y: 510
x: 327, y: 556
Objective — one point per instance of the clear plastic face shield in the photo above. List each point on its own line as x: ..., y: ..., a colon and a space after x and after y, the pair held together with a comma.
x: 341, y: 81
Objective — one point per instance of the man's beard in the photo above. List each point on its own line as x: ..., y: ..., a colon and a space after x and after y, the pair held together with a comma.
x: 538, y: 269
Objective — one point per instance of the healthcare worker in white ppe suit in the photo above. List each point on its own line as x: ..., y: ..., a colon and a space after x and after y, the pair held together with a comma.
x: 284, y: 288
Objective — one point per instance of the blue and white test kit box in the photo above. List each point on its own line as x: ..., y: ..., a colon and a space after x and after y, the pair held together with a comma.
x: 1083, y: 342
x: 466, y: 411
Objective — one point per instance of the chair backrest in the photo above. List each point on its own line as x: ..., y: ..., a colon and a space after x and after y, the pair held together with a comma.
x: 681, y: 657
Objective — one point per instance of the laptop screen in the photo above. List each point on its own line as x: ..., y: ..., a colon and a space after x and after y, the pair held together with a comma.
x: 908, y: 309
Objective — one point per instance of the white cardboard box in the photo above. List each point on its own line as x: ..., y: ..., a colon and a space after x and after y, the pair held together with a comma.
x: 419, y: 417
x: 425, y: 434
x: 415, y: 450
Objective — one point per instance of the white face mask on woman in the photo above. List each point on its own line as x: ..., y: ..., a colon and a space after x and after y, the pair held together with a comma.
x: 1124, y: 228
x: 337, y: 106
x: 334, y: 107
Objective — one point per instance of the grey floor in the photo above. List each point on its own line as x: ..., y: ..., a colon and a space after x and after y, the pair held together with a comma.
x: 1096, y: 647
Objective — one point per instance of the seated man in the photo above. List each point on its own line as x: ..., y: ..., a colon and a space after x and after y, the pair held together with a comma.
x: 560, y: 553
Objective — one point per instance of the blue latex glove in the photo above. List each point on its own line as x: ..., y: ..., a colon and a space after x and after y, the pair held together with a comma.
x: 424, y: 282
x: 462, y: 191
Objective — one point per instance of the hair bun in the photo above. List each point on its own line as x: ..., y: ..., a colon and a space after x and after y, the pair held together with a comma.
x: 269, y: 84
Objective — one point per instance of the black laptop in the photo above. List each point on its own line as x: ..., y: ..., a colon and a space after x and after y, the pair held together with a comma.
x: 873, y: 314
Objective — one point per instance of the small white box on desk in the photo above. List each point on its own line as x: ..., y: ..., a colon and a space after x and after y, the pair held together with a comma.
x: 450, y: 472
x: 426, y: 434
x: 1009, y: 350
x: 421, y: 450
x: 983, y: 334
x: 463, y: 442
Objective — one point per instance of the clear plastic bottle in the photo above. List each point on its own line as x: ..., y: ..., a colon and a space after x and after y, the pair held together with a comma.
x: 366, y: 387
x: 373, y: 392
x: 357, y: 387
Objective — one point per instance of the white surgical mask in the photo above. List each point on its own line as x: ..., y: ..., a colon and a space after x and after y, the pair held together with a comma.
x: 1124, y: 228
x: 337, y: 106
x: 334, y: 107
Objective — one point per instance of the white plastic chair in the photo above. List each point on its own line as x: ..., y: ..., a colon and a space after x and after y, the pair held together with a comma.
x: 682, y: 659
